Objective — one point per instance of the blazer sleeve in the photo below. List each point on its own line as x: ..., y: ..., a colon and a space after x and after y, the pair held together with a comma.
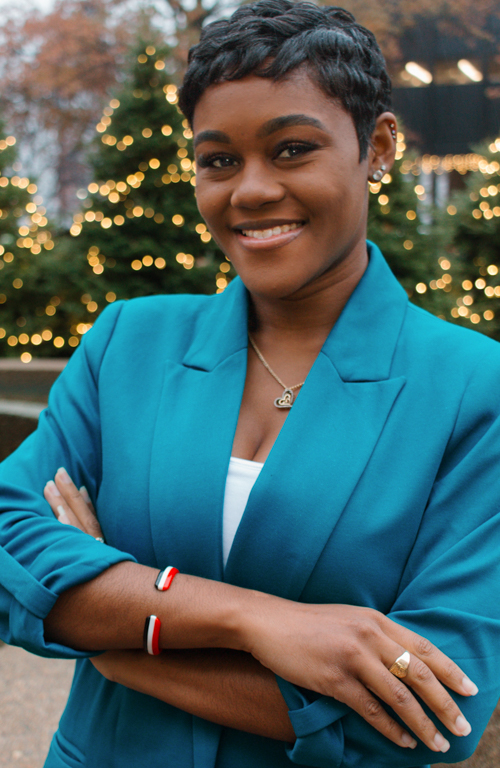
x: 448, y: 593
x: 39, y: 557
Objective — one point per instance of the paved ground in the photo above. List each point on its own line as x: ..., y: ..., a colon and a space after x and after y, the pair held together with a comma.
x: 33, y: 692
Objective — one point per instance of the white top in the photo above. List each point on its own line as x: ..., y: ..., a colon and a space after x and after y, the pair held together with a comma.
x: 241, y: 477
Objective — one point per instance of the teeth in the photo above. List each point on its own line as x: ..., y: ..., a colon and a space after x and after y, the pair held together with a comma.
x: 261, y: 234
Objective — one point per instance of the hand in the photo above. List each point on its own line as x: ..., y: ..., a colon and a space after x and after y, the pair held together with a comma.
x: 345, y: 652
x: 70, y: 505
x: 341, y: 651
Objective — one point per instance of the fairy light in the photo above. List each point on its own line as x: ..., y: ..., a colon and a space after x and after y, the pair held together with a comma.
x: 121, y: 192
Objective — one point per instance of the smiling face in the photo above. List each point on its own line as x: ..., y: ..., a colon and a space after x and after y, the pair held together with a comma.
x: 279, y: 183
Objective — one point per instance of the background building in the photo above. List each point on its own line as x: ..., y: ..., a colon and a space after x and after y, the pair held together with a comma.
x: 447, y: 88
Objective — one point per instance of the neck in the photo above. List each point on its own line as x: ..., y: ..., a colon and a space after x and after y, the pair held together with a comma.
x: 309, y: 315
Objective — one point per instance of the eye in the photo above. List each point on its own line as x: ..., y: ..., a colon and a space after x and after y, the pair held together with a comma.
x: 295, y: 149
x: 215, y: 161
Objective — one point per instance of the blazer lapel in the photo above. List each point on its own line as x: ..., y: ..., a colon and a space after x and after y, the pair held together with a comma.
x: 194, y: 435
x: 307, y: 480
x: 325, y: 443
x: 312, y: 470
x: 316, y: 462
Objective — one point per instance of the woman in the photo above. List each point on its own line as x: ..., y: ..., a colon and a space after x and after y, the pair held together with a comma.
x: 363, y: 431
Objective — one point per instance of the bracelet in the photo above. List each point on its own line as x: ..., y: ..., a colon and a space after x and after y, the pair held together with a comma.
x: 165, y: 578
x: 152, y: 627
x: 151, y: 640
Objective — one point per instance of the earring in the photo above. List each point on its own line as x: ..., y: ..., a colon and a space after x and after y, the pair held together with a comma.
x: 378, y: 175
x: 393, y: 131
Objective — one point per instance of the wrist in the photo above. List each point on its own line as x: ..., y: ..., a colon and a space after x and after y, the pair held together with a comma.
x: 201, y: 613
x: 253, y: 611
x: 233, y: 620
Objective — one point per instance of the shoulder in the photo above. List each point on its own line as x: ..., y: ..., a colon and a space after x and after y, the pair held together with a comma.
x: 140, y: 331
x: 165, y: 308
x: 445, y: 347
x: 449, y: 370
x: 150, y: 316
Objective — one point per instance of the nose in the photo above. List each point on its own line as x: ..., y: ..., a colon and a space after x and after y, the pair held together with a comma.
x: 255, y: 186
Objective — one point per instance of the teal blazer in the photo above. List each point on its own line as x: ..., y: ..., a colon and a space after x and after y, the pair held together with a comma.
x: 382, y: 490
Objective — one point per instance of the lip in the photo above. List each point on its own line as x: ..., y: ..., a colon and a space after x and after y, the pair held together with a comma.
x: 274, y: 241
x: 265, y: 223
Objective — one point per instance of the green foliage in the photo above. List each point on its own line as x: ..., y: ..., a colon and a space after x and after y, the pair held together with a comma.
x: 477, y: 238
x: 140, y: 232
x: 28, y: 278
x: 413, y: 239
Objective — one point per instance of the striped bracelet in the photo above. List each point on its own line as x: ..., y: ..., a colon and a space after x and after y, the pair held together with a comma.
x: 151, y: 639
x: 165, y: 578
x: 152, y: 627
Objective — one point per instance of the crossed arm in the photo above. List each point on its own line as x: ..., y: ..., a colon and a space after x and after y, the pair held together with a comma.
x: 226, y: 644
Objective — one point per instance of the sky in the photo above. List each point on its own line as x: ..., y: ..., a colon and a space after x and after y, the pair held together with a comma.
x: 43, y: 5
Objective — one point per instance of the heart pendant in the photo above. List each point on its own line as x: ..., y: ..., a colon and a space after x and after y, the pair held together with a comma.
x: 286, y: 399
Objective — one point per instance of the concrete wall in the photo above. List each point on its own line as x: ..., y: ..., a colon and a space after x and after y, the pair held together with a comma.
x: 24, y: 389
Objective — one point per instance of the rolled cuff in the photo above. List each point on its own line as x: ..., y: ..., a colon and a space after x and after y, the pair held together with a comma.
x: 29, y: 601
x: 317, y: 726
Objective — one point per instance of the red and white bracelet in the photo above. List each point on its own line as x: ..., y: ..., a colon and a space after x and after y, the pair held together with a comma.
x: 152, y: 635
x: 165, y: 578
x: 152, y: 627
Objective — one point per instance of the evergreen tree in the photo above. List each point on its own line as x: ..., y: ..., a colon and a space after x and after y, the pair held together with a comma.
x: 140, y: 232
x: 29, y: 283
x: 410, y: 232
x: 477, y: 238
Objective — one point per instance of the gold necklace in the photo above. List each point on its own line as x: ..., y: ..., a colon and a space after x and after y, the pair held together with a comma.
x: 287, y: 398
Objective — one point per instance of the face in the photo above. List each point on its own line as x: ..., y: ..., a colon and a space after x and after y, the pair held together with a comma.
x: 279, y: 183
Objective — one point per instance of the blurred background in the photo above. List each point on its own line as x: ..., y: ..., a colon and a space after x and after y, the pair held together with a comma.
x: 97, y: 178
x: 97, y: 204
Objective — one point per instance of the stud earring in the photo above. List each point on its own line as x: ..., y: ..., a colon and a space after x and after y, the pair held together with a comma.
x: 378, y: 175
x: 393, y: 131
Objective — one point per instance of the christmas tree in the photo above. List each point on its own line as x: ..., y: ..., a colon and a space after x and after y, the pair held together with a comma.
x: 409, y: 230
x: 28, y: 281
x: 477, y: 238
x: 140, y: 232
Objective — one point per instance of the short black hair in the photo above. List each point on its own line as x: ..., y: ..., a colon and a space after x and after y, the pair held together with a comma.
x: 272, y: 38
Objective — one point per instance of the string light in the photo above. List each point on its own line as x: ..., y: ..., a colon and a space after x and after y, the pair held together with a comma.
x: 119, y: 191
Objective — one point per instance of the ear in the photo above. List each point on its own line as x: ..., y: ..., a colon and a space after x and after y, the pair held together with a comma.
x: 382, y: 148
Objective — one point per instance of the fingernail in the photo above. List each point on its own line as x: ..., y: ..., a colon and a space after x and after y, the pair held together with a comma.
x: 469, y: 687
x: 407, y: 741
x: 63, y: 475
x: 441, y: 743
x: 463, y: 726
x: 54, y: 490
x: 85, y: 494
x: 62, y: 516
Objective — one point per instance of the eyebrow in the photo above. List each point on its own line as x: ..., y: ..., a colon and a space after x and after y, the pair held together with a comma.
x: 271, y: 126
x: 286, y: 121
x: 217, y: 136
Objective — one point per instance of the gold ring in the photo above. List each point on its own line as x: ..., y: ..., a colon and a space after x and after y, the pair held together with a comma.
x: 400, y: 666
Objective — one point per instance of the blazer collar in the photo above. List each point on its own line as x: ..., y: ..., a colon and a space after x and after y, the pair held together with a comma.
x: 221, y: 329
x: 370, y: 322
x: 361, y: 344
